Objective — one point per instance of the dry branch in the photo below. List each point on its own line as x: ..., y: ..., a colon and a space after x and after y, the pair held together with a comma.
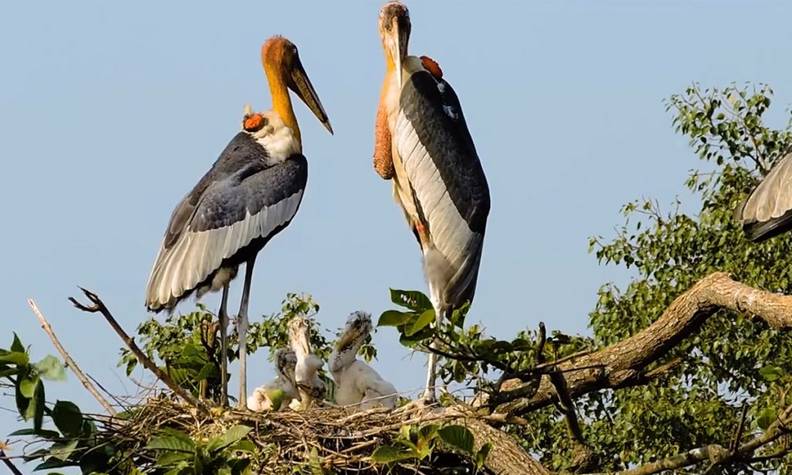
x: 70, y: 363
x: 99, y: 306
x: 624, y: 363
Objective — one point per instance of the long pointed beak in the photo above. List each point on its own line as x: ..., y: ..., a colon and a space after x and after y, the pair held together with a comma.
x: 400, y: 38
x: 302, y: 86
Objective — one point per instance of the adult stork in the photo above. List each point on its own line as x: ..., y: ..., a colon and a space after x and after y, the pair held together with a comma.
x: 422, y: 143
x: 250, y: 194
x: 768, y: 210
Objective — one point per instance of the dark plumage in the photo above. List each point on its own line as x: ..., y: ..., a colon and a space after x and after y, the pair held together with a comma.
x: 239, y: 185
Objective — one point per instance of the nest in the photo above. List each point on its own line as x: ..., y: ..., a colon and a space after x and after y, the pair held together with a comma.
x: 339, y: 440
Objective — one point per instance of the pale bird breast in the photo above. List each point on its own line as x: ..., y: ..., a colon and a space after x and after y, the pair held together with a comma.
x: 277, y: 138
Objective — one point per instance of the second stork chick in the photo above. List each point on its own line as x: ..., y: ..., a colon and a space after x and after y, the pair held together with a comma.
x: 357, y: 382
x: 310, y: 386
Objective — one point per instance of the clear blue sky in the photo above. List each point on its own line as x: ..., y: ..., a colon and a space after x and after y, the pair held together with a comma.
x: 111, y: 111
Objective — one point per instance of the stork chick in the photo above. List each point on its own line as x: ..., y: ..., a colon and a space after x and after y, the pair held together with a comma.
x: 278, y: 393
x: 310, y: 386
x: 357, y: 382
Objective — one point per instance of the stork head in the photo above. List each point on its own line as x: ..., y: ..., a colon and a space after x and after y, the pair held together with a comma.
x: 280, y: 56
x: 357, y: 329
x: 394, y: 30
x: 299, y: 335
x: 285, y: 361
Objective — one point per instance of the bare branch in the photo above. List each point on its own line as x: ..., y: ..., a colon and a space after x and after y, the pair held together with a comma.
x: 99, y: 307
x: 70, y: 363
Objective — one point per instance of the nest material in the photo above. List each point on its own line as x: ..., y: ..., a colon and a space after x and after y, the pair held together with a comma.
x: 339, y: 439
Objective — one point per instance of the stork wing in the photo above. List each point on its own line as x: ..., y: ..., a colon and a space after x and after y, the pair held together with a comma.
x: 448, y: 183
x: 768, y: 210
x: 238, y: 201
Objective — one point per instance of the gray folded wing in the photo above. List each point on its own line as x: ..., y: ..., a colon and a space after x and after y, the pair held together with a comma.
x: 244, y: 201
x: 768, y: 210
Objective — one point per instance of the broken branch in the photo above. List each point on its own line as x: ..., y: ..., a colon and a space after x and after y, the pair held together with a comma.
x: 99, y: 307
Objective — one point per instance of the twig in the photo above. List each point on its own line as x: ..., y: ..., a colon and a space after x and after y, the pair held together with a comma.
x: 735, y: 442
x: 8, y: 463
x: 99, y: 307
x: 70, y: 363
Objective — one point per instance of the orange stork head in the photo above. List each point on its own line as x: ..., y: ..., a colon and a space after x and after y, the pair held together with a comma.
x: 284, y: 69
x: 394, y: 29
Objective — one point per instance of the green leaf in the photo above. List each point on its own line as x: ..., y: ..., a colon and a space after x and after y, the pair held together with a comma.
x: 426, y: 318
x: 171, y: 458
x: 35, y: 409
x: 67, y: 418
x: 771, y: 373
x: 230, y: 437
x: 277, y: 397
x: 394, y: 318
x: 766, y: 417
x: 244, y: 445
x: 411, y: 299
x: 209, y: 370
x: 19, y: 358
x: 28, y: 385
x: 47, y: 434
x: 459, y: 437
x: 388, y: 454
x: 481, y: 455
x: 51, y: 368
x: 63, y: 451
x: 16, y: 345
x: 172, y: 440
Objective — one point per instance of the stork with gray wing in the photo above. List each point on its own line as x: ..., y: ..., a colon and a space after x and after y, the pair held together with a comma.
x: 423, y: 145
x: 768, y: 210
x: 251, y: 193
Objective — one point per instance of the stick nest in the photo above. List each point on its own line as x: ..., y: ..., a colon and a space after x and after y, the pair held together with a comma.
x: 340, y: 440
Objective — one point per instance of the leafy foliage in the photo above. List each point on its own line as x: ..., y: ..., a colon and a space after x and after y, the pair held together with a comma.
x: 188, y: 345
x: 419, y: 443
x: 230, y: 453
x: 732, y: 361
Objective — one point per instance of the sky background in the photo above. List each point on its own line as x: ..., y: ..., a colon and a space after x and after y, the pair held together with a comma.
x: 111, y: 111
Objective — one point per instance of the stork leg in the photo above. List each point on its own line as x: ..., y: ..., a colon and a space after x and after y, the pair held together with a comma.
x: 429, y: 395
x: 222, y: 315
x: 242, y: 328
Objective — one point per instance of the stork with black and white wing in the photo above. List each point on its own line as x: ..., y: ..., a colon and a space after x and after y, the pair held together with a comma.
x: 768, y: 210
x: 250, y: 194
x: 423, y: 145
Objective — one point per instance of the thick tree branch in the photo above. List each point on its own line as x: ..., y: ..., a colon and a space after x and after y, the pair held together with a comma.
x: 506, y: 456
x: 70, y: 363
x: 624, y: 363
x: 99, y: 307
